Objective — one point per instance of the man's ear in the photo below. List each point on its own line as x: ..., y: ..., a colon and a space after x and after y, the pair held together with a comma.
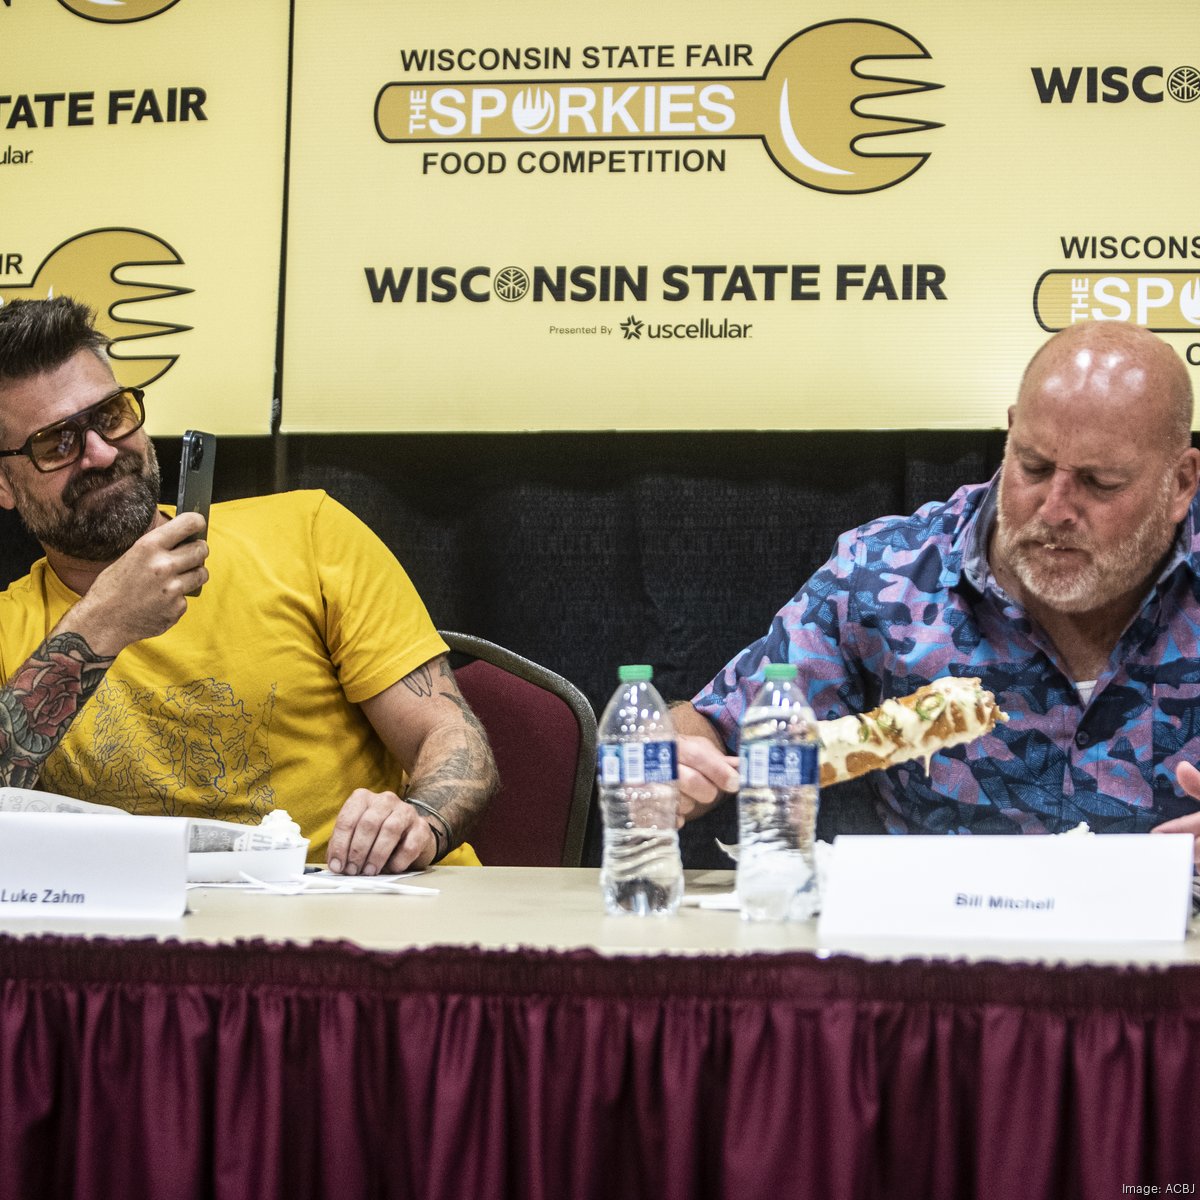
x: 1187, y: 475
x: 7, y: 499
x: 1012, y: 412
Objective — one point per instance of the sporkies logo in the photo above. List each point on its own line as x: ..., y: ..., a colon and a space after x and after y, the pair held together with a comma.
x: 1163, y: 301
x: 88, y: 267
x: 117, y: 12
x: 817, y: 109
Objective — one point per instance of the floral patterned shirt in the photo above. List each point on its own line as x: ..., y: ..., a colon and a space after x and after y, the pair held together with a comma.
x: 905, y: 600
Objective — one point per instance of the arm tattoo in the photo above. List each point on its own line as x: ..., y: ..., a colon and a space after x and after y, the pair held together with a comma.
x: 460, y: 784
x: 40, y: 701
x: 419, y: 682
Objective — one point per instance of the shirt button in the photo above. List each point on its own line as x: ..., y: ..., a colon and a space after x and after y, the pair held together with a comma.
x: 1083, y: 740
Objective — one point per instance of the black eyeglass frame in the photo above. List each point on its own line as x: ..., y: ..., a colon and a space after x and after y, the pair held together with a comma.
x: 83, y: 421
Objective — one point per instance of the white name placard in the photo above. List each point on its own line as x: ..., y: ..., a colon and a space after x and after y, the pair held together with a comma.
x: 55, y: 865
x: 1114, y: 887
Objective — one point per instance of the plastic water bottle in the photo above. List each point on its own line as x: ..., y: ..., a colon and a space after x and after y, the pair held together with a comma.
x: 639, y: 795
x: 777, y: 801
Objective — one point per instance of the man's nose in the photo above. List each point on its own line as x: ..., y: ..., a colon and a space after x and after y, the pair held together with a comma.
x: 97, y: 453
x: 1059, y: 504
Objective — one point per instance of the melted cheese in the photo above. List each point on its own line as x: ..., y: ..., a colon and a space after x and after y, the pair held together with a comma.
x: 947, y: 712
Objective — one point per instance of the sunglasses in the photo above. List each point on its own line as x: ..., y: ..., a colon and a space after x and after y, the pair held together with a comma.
x: 61, y: 444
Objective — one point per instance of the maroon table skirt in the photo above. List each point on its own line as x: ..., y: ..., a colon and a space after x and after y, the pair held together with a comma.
x: 160, y: 1070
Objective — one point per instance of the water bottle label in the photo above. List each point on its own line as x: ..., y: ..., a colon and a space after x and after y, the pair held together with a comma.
x: 637, y: 762
x: 775, y: 764
x: 609, y: 764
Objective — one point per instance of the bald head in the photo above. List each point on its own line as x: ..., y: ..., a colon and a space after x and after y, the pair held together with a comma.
x: 1123, y: 371
x: 1098, y: 472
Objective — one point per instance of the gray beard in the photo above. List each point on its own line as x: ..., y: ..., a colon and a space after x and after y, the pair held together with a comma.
x: 100, y: 533
x: 1110, y: 574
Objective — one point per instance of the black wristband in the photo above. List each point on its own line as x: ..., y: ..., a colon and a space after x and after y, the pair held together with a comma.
x: 444, y: 837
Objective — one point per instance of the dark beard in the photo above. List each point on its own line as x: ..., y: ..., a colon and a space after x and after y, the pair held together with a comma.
x: 100, y: 533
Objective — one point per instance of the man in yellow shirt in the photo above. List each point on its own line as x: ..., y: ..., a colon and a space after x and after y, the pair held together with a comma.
x: 307, y: 675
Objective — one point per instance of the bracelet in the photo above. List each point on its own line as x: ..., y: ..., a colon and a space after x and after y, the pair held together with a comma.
x: 432, y: 815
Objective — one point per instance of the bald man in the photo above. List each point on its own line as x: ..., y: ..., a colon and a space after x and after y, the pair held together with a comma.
x: 1070, y: 584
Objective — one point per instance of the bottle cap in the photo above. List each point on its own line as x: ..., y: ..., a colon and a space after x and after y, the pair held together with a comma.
x: 635, y: 673
x: 780, y: 671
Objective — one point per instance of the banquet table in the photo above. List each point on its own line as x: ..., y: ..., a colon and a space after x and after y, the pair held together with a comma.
x: 506, y: 1038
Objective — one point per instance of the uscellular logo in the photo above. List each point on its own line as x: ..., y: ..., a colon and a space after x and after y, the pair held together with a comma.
x: 117, y: 12
x: 818, y: 108
x: 688, y: 331
x: 88, y: 267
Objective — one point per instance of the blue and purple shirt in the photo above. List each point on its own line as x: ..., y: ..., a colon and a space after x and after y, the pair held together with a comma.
x: 905, y: 600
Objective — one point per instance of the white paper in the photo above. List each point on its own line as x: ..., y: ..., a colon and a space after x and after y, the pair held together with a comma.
x: 54, y: 866
x: 1113, y: 888
x: 324, y: 883
x: 229, y: 866
x: 218, y: 851
x: 716, y: 901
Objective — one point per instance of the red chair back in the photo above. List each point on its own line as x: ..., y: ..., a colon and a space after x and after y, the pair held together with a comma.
x: 543, y: 734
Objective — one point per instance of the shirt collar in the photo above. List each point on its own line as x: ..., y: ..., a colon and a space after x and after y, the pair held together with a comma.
x: 1185, y: 549
x: 976, y: 534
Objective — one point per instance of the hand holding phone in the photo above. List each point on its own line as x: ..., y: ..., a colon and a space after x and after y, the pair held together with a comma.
x: 196, y: 475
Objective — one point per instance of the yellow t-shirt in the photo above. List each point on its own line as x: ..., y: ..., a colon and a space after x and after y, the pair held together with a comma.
x: 250, y: 702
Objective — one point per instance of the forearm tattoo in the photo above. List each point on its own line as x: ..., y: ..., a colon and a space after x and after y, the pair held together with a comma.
x: 40, y: 701
x: 459, y: 785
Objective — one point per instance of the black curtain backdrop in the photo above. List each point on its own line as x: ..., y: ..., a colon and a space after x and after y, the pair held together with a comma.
x: 585, y: 551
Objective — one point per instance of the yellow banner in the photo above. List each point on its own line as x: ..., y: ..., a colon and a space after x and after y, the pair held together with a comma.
x: 141, y: 171
x: 691, y: 215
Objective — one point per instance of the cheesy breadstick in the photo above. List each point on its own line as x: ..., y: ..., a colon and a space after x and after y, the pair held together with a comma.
x: 946, y: 712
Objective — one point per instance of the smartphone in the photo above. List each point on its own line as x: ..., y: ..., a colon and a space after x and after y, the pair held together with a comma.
x: 196, y: 475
